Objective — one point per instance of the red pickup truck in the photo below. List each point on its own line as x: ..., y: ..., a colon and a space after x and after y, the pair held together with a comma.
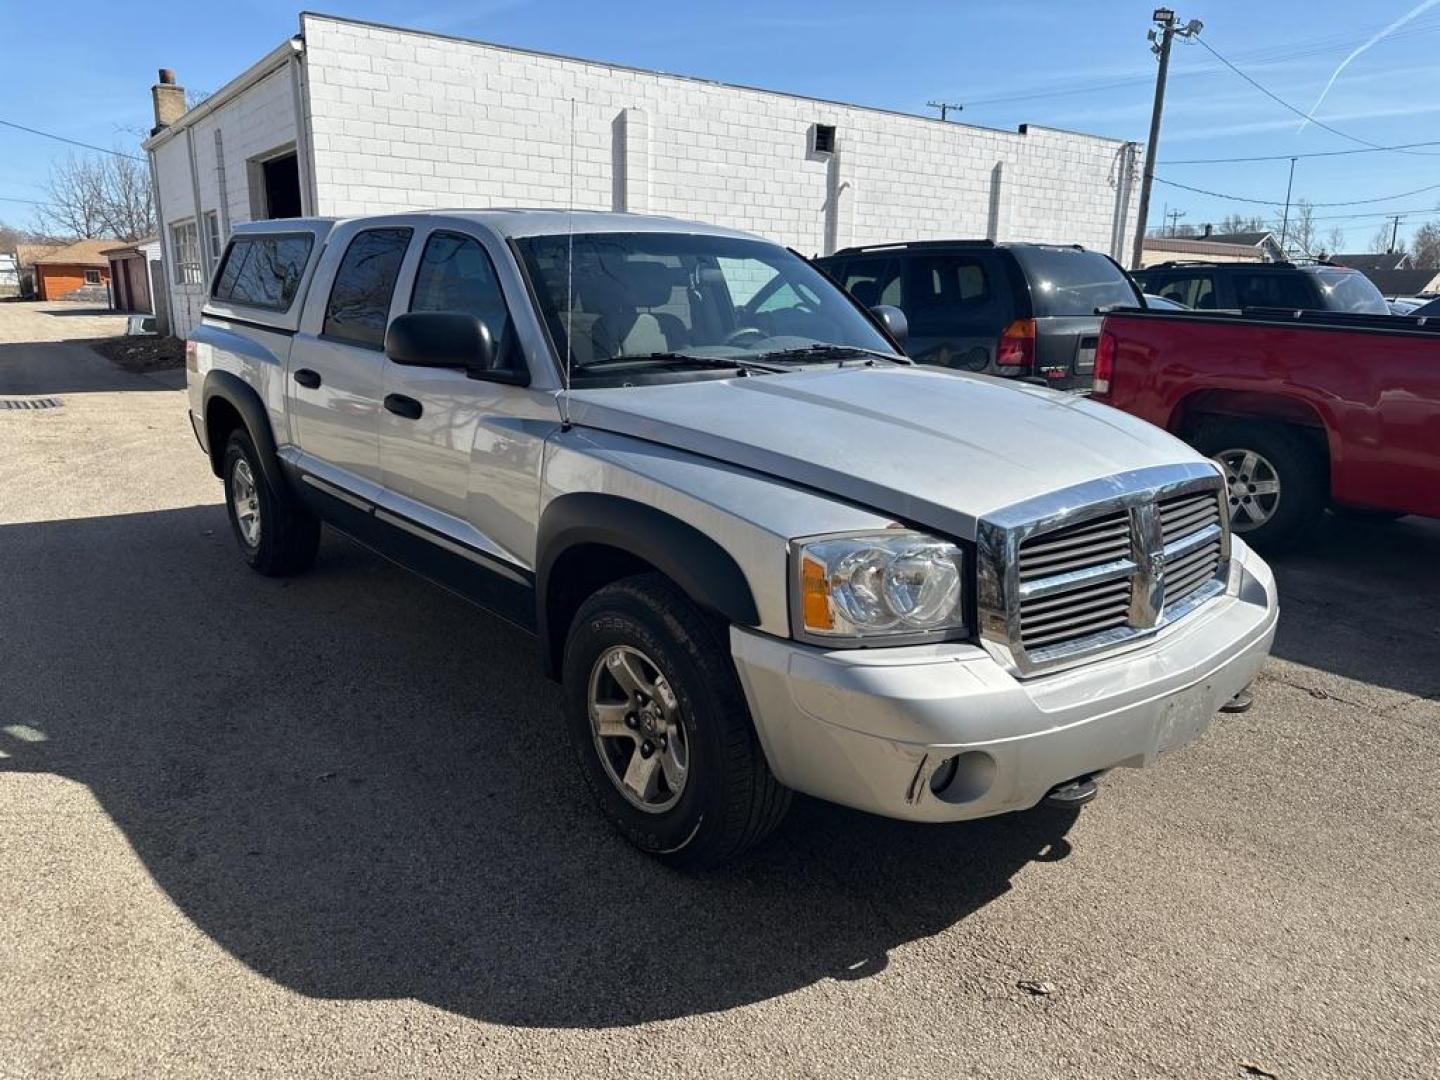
x: 1301, y: 409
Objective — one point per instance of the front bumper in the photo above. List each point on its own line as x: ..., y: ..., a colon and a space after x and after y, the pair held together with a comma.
x: 870, y: 728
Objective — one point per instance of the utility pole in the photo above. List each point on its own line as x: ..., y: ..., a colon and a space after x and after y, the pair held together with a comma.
x: 1165, y: 20
x: 1394, y: 234
x: 1285, y: 221
x: 1175, y: 216
x: 945, y: 108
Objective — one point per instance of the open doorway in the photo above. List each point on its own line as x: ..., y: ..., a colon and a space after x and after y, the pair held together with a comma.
x: 275, y: 186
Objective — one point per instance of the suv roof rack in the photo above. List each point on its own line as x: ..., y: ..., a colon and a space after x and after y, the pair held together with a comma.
x: 1170, y: 263
x: 910, y: 245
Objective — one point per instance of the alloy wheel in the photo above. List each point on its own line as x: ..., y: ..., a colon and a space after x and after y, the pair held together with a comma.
x: 636, y: 725
x: 245, y: 501
x: 1254, y: 487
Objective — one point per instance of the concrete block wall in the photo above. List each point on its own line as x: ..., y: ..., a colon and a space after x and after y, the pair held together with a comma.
x: 398, y: 120
x: 402, y: 119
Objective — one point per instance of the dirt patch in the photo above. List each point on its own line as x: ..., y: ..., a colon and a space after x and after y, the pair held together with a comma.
x: 140, y: 354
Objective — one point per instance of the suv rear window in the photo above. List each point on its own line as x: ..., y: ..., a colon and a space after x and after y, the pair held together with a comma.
x: 264, y: 271
x: 1068, y: 281
x: 1349, y: 290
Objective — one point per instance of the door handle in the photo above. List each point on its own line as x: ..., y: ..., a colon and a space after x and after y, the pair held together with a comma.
x: 404, y: 406
x: 307, y: 378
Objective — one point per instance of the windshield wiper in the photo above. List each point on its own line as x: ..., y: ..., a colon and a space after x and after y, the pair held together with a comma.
x: 825, y: 351
x: 746, y: 367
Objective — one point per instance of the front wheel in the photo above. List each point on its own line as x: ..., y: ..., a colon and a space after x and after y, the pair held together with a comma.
x: 1275, y: 477
x: 659, y: 723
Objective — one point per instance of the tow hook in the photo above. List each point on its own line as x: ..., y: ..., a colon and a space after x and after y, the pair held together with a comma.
x: 1072, y: 794
x: 1241, y: 702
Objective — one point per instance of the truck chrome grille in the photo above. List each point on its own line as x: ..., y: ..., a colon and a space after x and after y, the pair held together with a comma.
x: 1095, y: 574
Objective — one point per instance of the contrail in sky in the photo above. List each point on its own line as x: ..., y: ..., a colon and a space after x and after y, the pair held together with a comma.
x: 1418, y: 9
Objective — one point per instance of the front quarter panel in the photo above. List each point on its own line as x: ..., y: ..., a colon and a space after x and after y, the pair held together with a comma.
x: 751, y: 516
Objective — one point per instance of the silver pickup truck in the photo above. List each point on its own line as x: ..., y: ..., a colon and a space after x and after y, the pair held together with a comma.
x: 761, y: 550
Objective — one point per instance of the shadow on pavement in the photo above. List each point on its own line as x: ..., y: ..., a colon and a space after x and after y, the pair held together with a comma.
x: 1361, y: 600
x: 356, y: 784
x: 71, y: 367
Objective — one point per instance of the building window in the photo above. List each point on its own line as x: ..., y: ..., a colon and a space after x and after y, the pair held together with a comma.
x: 92, y: 277
x: 213, y: 237
x: 185, y: 250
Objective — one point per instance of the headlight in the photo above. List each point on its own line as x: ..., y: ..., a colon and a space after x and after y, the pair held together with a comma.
x: 894, y: 584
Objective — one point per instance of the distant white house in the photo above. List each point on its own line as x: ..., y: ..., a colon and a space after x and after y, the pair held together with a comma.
x: 353, y: 118
x: 9, y: 275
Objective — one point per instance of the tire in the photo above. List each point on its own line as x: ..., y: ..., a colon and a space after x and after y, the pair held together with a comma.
x: 277, y: 535
x: 1277, y: 455
x: 704, y: 793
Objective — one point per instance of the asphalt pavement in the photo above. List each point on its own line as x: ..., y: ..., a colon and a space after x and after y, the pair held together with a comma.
x: 328, y: 827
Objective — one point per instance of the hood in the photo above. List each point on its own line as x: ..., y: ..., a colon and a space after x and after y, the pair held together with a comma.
x: 931, y: 447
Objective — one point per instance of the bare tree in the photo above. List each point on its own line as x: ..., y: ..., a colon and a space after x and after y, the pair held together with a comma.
x: 1425, y: 250
x: 1299, y: 229
x: 1335, y: 239
x: 1381, y: 240
x: 100, y: 196
x: 1233, y: 223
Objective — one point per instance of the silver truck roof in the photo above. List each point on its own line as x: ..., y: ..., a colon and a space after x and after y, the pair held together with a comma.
x: 512, y: 222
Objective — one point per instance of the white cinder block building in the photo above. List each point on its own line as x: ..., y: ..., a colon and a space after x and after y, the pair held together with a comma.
x: 352, y: 118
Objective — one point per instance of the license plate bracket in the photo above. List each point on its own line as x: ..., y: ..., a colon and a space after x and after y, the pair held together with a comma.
x: 1187, y: 715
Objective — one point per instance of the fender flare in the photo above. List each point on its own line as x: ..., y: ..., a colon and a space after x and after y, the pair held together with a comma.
x: 241, y: 396
x: 707, y: 573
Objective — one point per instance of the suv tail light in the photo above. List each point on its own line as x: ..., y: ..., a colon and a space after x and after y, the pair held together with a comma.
x: 192, y: 357
x: 1017, y: 345
x: 1104, y: 363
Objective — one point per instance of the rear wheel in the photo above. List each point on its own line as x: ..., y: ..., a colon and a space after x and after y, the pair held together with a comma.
x: 659, y: 723
x: 1276, y: 479
x: 277, y: 535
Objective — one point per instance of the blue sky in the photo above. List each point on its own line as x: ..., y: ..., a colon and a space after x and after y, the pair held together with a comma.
x: 1085, y: 66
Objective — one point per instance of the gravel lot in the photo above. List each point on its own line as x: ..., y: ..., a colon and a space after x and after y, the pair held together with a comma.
x: 327, y: 827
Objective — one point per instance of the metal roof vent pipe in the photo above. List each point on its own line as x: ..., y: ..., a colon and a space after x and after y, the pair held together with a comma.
x: 169, y: 101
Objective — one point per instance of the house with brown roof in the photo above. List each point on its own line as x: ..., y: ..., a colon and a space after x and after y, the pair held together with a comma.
x: 78, y: 271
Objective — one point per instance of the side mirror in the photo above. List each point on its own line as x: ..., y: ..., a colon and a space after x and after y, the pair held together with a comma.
x: 894, y: 321
x: 444, y: 339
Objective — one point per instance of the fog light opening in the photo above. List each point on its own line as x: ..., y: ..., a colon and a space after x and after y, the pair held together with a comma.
x: 964, y: 777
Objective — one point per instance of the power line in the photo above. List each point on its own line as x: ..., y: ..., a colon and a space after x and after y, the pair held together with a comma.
x: 1298, y: 111
x: 72, y: 142
x: 1261, y: 58
x: 1287, y: 157
x: 1277, y: 202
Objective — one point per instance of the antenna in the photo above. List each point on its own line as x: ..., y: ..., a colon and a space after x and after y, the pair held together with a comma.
x: 569, y: 278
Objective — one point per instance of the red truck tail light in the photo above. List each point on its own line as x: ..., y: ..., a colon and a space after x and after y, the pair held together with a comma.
x: 1104, y: 363
x: 1017, y: 345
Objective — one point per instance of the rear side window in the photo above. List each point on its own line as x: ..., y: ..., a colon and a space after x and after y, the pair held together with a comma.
x: 945, y: 293
x: 264, y: 271
x: 1192, y: 290
x: 359, y: 307
x: 1350, y: 290
x: 456, y: 274
x: 1068, y: 281
x: 1278, y: 289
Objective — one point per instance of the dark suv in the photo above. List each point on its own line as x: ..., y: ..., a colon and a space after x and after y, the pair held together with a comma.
x: 1317, y: 286
x: 1004, y: 309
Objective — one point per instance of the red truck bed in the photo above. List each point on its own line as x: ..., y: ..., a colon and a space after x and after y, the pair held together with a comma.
x: 1348, y: 405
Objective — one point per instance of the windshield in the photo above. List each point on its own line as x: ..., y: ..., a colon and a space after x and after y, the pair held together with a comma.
x: 1069, y: 281
x: 1350, y: 290
x: 679, y: 295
